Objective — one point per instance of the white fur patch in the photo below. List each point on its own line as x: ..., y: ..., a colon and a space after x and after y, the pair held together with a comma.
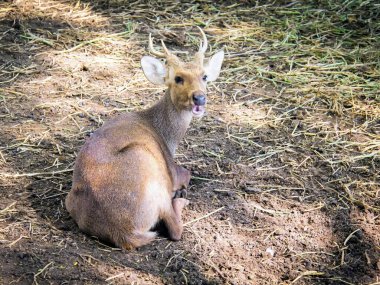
x: 156, y: 196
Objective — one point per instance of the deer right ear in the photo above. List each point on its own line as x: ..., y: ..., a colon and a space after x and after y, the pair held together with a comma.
x: 154, y: 69
x: 214, y: 65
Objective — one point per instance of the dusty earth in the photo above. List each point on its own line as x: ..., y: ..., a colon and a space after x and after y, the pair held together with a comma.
x: 273, y: 200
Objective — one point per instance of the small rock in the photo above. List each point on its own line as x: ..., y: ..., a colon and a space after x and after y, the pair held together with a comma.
x: 269, y: 252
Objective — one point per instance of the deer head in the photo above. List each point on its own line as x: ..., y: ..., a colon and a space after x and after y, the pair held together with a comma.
x: 186, y: 81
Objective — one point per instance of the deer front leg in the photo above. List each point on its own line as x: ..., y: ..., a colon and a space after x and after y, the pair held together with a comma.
x: 173, y: 219
x: 182, y: 177
x: 181, y: 181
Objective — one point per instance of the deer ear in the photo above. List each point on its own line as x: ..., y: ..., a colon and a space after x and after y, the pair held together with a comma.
x: 154, y: 69
x: 214, y: 65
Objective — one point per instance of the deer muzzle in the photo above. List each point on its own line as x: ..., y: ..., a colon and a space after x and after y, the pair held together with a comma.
x: 199, y: 99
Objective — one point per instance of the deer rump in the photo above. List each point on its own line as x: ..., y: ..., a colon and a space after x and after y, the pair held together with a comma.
x: 120, y: 191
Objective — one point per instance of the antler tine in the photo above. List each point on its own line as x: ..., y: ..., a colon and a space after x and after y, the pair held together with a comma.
x: 167, y: 52
x: 155, y: 52
x: 203, y: 44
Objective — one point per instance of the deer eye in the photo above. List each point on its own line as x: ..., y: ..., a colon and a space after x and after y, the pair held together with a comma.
x: 178, y: 80
x: 204, y: 78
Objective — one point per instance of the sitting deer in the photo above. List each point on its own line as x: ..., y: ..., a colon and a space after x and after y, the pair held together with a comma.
x: 125, y: 178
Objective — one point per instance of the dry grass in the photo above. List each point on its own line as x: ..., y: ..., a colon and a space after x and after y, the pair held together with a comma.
x: 292, y: 134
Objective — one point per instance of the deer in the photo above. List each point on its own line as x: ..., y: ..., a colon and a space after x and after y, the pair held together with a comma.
x: 125, y: 179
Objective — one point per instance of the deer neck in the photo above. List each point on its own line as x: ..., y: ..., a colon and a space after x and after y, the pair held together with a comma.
x: 169, y: 123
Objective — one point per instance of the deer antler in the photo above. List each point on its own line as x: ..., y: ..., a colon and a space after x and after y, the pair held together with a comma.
x: 171, y: 58
x: 155, y: 52
x: 203, y: 44
x: 200, y: 55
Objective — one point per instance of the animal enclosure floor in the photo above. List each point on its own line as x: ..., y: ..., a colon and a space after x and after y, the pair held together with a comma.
x: 285, y: 164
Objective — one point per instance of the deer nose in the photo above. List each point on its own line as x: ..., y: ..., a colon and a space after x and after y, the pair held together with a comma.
x: 199, y: 98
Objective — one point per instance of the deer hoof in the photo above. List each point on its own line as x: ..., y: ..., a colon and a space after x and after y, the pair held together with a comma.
x: 181, y: 193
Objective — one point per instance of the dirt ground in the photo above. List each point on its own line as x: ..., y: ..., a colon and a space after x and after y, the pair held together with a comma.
x: 285, y: 165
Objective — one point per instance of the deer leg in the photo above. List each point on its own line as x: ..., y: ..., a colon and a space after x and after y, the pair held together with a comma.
x: 181, y: 181
x: 173, y: 220
x: 180, y: 193
x: 182, y: 177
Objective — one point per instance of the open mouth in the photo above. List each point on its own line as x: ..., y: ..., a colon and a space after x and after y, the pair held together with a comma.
x: 198, y: 111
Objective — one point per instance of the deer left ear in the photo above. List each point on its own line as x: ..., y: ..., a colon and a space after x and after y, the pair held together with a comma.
x: 154, y: 69
x: 214, y: 65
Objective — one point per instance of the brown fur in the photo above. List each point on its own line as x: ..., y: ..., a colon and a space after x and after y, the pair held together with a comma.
x: 125, y: 176
x: 110, y: 196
